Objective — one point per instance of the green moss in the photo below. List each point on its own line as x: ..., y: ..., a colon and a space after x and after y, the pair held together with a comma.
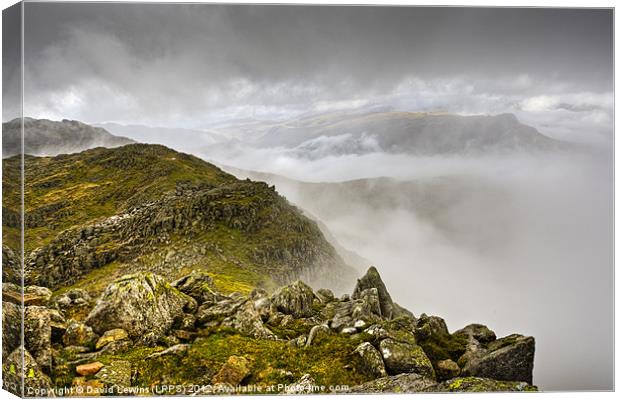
x: 443, y: 346
x: 476, y: 384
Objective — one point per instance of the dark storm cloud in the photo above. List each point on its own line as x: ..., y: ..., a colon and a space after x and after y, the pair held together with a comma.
x: 161, y: 63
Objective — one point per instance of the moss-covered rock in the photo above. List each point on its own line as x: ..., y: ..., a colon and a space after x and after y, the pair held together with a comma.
x: 371, y: 360
x: 477, y: 384
x: 401, y: 357
x: 401, y: 383
x: 140, y: 303
x: 233, y: 371
x: 295, y: 299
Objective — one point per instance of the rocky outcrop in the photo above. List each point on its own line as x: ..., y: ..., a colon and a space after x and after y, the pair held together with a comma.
x: 510, y: 358
x: 139, y: 304
x: 295, y: 299
x: 371, y: 280
x: 371, y: 360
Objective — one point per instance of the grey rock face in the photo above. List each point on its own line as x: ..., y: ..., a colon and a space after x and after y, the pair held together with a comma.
x: 295, y: 299
x: 372, y: 362
x: 510, y: 359
x: 372, y: 279
x: 402, y: 357
x: 140, y: 303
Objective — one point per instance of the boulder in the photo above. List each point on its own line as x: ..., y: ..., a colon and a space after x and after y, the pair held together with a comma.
x: 509, y: 359
x: 479, y: 332
x: 247, y: 321
x: 233, y: 371
x: 403, y: 357
x: 372, y: 279
x: 114, y: 335
x: 139, y: 303
x: 217, y: 312
x: 79, y: 334
x: 295, y: 299
x: 401, y: 383
x: 325, y: 296
x: 198, y: 285
x: 371, y: 360
x: 75, y: 297
x: 89, y: 368
x: 32, y: 295
x: 38, y: 335
x: 427, y: 326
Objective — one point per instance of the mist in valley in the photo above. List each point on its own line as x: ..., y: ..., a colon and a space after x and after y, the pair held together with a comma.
x: 521, y: 242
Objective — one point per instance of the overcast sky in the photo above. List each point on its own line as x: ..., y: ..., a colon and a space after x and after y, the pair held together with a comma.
x: 189, y: 65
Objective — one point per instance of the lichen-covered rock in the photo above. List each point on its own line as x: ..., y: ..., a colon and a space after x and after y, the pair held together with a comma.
x: 114, y: 335
x: 372, y: 279
x: 401, y: 383
x: 20, y: 366
x: 295, y: 299
x: 447, y: 369
x: 402, y: 357
x: 233, y: 371
x: 217, y: 312
x: 139, y: 304
x: 371, y: 360
x: 325, y: 296
x: 11, y: 327
x: 510, y: 359
x: 79, y: 334
x: 75, y: 297
x: 426, y: 326
x: 345, y: 314
x: 476, y: 384
x: 38, y: 335
x: 198, y: 285
x: 247, y: 321
x: 479, y: 332
x: 115, y: 374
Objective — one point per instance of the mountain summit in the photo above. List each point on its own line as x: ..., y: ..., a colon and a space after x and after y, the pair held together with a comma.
x: 45, y: 137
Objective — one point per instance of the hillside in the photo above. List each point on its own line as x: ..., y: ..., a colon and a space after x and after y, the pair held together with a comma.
x: 148, y: 268
x: 45, y: 137
x: 416, y: 133
x: 92, y: 216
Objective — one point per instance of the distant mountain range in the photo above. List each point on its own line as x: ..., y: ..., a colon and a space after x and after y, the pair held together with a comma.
x: 45, y: 137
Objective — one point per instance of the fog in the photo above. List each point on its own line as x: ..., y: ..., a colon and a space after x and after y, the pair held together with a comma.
x: 521, y: 243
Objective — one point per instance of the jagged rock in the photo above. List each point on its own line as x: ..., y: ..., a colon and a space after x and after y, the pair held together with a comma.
x: 317, y: 333
x: 262, y: 303
x: 371, y: 360
x: 218, y: 311
x: 447, y: 369
x: 372, y: 279
x: 401, y: 383
x: 479, y: 332
x: 114, y: 335
x: 345, y: 314
x: 248, y: 322
x: 401, y: 357
x: 139, y: 303
x: 117, y: 373
x: 21, y: 366
x: 233, y: 371
x: 11, y: 327
x: 304, y: 385
x: 79, y: 334
x: 175, y: 350
x: 377, y: 332
x: 295, y: 299
x: 510, y: 359
x: 325, y: 296
x: 38, y: 335
x: 476, y: 384
x: 198, y: 285
x: 89, y: 368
